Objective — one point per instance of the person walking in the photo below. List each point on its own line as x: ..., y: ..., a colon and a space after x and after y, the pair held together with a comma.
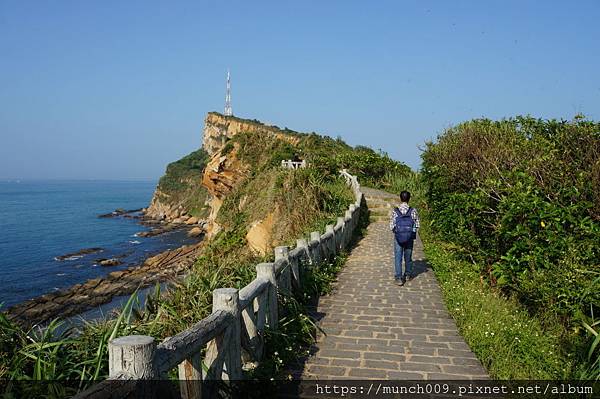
x: 404, y: 223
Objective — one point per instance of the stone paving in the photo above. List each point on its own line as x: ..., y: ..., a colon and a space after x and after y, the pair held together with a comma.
x: 375, y: 329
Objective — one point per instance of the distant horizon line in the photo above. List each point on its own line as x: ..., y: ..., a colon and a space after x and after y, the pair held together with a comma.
x: 23, y: 179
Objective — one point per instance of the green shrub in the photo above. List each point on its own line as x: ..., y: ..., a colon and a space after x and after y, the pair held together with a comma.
x: 179, y: 172
x: 521, y: 197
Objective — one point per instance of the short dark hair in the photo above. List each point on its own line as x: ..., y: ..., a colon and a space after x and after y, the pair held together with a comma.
x: 404, y: 196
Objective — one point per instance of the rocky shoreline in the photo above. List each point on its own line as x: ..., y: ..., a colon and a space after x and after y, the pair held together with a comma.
x: 81, y: 297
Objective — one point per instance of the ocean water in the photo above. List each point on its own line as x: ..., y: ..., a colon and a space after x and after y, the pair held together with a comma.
x: 40, y: 220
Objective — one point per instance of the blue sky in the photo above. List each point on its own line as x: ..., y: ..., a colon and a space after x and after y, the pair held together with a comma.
x: 118, y: 89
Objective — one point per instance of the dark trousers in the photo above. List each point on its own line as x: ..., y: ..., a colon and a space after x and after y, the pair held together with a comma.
x: 403, y: 251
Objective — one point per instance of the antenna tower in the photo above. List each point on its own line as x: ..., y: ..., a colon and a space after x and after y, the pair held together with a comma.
x: 228, y: 111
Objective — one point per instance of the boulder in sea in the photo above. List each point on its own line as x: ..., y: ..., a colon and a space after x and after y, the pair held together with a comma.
x: 119, y: 212
x: 78, y: 254
x: 110, y: 262
x: 156, y: 231
x: 195, y: 232
x: 192, y: 220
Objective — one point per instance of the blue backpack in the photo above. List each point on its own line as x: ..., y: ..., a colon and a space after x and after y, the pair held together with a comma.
x: 403, y: 229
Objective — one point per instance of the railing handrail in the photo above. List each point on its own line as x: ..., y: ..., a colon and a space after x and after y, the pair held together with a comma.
x: 235, y: 328
x: 252, y: 291
x: 174, y: 350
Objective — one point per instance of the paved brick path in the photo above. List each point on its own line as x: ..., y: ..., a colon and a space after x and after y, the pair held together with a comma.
x: 378, y: 330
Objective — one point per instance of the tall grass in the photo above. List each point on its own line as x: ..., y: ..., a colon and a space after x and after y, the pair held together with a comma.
x: 407, y: 181
x: 591, y: 370
x: 59, y: 352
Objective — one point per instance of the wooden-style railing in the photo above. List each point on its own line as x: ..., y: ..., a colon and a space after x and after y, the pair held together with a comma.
x: 233, y: 334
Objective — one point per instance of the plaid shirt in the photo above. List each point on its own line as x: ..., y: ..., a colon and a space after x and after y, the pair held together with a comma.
x: 403, y: 209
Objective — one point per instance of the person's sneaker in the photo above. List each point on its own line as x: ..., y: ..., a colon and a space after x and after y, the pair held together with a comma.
x: 409, y: 277
x: 399, y: 282
x: 403, y: 280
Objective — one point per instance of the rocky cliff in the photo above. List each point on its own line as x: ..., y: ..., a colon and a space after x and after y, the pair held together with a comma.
x: 196, y: 185
x: 218, y: 129
x: 225, y: 170
x: 235, y: 181
x: 180, y: 196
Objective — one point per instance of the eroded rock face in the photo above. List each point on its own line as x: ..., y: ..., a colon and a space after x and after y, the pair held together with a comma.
x: 161, y: 208
x: 260, y: 234
x: 222, y: 174
x: 219, y: 128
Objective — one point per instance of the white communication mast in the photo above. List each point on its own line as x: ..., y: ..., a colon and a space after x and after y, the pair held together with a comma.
x: 228, y: 111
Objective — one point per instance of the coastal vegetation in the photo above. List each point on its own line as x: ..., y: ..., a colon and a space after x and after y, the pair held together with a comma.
x: 182, y: 183
x: 297, y: 202
x: 512, y: 229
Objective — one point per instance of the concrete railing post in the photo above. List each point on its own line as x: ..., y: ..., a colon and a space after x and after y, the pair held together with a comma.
x: 302, y: 243
x: 267, y: 271
x: 295, y: 272
x: 348, y: 216
x: 341, y: 233
x: 353, y: 215
x: 228, y: 299
x: 331, y: 243
x: 286, y: 275
x: 317, y: 253
x: 349, y: 228
x: 133, y: 356
x: 190, y: 377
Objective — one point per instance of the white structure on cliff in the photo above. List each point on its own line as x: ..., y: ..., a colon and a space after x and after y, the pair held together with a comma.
x: 228, y: 111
